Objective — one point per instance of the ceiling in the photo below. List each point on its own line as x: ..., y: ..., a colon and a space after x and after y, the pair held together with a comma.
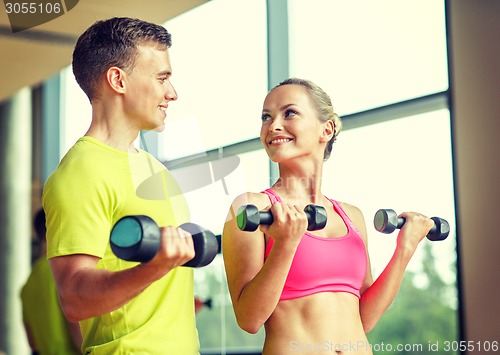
x: 28, y: 57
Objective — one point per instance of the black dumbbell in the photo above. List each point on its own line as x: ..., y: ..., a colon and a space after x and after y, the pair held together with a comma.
x: 387, y: 220
x: 249, y: 217
x: 137, y: 238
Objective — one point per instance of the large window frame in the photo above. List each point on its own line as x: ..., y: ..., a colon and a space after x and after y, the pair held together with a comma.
x: 278, y: 68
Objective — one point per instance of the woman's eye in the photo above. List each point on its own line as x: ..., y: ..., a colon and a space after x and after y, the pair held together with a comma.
x: 289, y: 113
x: 265, y: 117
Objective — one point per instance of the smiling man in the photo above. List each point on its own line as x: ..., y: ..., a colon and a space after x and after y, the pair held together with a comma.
x: 123, y: 66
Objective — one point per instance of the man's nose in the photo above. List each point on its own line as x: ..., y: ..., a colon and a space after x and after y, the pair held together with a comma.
x: 170, y: 93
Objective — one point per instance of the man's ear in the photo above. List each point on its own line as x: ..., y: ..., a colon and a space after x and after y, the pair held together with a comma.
x: 328, y: 131
x: 115, y: 77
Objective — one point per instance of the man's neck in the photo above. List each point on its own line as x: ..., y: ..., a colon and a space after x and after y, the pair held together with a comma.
x: 110, y: 127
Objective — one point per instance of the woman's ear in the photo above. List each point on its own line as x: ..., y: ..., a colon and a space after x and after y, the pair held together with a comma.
x: 115, y: 77
x: 328, y: 131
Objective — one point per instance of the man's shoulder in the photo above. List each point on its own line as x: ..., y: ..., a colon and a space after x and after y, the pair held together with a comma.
x: 85, y: 158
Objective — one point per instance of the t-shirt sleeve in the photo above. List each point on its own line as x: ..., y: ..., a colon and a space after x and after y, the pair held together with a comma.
x: 78, y: 205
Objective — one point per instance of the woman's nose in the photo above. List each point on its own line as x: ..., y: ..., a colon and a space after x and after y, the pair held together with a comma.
x: 276, y: 125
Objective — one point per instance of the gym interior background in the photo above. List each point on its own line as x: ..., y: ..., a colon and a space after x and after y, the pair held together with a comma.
x: 416, y: 83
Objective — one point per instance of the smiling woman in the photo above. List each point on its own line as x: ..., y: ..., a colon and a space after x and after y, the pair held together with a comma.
x: 320, y: 102
x: 315, y: 285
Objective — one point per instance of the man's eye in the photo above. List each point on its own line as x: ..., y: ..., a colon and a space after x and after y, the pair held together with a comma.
x: 162, y: 80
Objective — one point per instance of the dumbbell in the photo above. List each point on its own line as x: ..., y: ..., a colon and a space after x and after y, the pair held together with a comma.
x: 137, y: 238
x: 249, y: 217
x: 387, y: 220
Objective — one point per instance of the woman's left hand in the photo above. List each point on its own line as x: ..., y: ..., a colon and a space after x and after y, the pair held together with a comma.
x: 415, y: 228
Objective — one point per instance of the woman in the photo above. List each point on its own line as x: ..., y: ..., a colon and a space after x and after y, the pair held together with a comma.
x: 313, y: 291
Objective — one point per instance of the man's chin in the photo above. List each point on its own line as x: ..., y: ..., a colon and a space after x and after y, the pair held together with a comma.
x: 152, y: 128
x: 159, y: 128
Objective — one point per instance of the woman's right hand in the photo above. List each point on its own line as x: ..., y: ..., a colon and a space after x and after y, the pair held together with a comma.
x: 289, y: 224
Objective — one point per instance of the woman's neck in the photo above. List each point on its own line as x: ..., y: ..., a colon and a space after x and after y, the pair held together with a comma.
x: 300, y: 184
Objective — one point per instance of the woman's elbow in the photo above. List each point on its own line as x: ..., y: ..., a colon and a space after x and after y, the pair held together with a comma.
x: 250, y: 328
x: 248, y: 324
x: 368, y: 323
x: 368, y: 327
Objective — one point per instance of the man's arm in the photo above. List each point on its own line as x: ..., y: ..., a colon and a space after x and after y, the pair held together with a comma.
x: 85, y: 291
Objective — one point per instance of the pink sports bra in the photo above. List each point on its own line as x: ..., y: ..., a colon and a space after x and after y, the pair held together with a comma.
x: 325, y: 264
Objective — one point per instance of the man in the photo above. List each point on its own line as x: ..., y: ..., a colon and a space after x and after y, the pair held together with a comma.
x: 47, y: 329
x: 123, y: 66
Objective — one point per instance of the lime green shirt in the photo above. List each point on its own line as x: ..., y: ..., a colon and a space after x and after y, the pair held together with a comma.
x: 42, y: 312
x: 92, y: 188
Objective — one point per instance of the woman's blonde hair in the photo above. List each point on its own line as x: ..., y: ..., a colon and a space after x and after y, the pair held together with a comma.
x: 323, y: 105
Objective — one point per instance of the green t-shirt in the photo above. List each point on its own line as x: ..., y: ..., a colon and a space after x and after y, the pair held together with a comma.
x: 42, y: 312
x: 92, y: 188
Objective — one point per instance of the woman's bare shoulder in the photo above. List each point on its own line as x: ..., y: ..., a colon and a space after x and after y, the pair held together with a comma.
x: 260, y: 200
x: 354, y: 213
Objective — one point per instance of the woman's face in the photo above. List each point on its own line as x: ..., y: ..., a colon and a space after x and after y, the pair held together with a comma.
x: 290, y: 124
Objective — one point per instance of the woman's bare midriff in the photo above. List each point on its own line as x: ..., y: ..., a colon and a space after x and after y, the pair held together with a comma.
x: 322, y: 323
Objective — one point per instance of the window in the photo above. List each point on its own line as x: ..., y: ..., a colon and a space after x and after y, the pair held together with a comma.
x: 76, y: 112
x: 404, y: 164
x: 366, y: 53
x: 219, y: 71
x: 209, y: 206
x: 211, y: 187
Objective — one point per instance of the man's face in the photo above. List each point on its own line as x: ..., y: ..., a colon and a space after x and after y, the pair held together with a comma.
x: 149, y: 89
